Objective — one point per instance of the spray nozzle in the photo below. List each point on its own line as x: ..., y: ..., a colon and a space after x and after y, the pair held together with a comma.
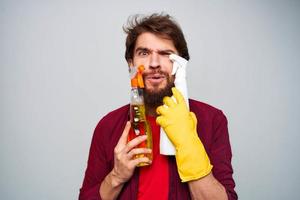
x: 136, y: 76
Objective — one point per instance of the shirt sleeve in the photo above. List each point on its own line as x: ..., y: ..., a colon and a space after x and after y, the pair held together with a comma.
x: 220, y: 155
x: 97, y: 166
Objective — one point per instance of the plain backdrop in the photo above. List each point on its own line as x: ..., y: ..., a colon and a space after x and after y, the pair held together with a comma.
x: 63, y: 68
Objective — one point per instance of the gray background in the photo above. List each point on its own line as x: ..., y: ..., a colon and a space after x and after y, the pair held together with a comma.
x: 62, y: 69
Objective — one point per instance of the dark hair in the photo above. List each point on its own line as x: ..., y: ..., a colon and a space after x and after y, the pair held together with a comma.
x: 162, y: 25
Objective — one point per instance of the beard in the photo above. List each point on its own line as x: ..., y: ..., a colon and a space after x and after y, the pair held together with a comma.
x: 154, y: 97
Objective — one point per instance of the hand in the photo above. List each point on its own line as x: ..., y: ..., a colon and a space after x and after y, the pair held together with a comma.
x: 181, y: 127
x: 124, y: 152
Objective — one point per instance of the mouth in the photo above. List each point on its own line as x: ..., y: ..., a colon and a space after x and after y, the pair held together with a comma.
x: 155, y: 78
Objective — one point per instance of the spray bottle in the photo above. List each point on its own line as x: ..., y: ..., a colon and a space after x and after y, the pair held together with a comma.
x: 139, y: 124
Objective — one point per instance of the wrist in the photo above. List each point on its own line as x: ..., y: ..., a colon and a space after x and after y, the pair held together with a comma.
x: 110, y: 187
x: 114, y: 179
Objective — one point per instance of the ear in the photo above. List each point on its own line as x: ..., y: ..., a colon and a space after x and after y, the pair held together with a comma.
x: 130, y: 63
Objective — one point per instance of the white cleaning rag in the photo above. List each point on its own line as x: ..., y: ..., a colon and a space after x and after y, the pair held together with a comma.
x: 179, y: 69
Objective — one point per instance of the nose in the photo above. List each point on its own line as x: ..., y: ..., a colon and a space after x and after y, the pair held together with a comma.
x: 154, y: 61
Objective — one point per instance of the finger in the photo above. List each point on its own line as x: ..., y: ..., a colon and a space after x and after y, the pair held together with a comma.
x: 161, y: 120
x: 194, y: 118
x: 139, y: 160
x: 124, y: 136
x: 137, y: 151
x: 169, y: 102
x: 133, y: 143
x: 178, y: 96
x: 161, y: 110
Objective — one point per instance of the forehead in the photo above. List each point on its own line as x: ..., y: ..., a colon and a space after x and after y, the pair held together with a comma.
x: 154, y: 42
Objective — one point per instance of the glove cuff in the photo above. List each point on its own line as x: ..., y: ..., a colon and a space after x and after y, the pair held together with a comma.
x: 192, y: 161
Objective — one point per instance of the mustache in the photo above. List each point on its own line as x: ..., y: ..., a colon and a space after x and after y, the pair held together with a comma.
x: 155, y: 72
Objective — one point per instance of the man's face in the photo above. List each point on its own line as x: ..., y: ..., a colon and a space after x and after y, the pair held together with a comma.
x: 153, y: 52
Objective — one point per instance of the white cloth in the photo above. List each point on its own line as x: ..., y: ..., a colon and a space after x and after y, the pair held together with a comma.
x: 179, y: 69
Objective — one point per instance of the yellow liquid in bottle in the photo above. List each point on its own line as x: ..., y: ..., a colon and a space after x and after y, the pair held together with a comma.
x: 140, y: 126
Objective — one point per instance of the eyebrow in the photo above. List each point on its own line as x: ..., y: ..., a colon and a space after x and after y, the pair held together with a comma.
x: 142, y: 49
x: 165, y: 52
x: 162, y: 52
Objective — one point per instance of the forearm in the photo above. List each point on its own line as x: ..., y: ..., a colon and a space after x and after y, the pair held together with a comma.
x: 207, y: 188
x: 110, y: 187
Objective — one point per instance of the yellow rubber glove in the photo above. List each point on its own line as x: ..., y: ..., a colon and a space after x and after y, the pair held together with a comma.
x: 181, y: 127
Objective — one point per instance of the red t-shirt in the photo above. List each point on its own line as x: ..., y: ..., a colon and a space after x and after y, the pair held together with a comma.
x: 154, y: 178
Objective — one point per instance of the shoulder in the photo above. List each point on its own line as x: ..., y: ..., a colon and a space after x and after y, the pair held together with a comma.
x: 113, y: 119
x: 212, y: 124
x: 110, y: 127
x: 204, y: 108
x: 116, y: 114
x: 208, y: 114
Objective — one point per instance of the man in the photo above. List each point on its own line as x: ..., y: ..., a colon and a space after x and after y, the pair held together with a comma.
x: 201, y: 168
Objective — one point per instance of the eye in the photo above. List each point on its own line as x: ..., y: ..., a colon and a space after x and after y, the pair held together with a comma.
x: 143, y: 53
x: 165, y: 53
